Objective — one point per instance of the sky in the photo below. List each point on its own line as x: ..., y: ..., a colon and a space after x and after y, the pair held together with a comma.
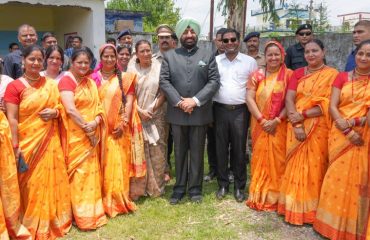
x: 199, y: 9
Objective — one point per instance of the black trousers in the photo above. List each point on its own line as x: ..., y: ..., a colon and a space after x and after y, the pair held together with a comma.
x: 189, y: 144
x: 231, y: 126
x: 211, y: 150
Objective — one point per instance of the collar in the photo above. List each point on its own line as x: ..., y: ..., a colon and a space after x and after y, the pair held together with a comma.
x: 299, y: 46
x: 193, y: 50
x: 238, y: 57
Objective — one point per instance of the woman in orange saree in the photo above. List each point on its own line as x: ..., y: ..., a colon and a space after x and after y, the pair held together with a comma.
x: 117, y: 92
x: 9, y: 188
x: 83, y: 141
x: 265, y: 100
x: 33, y: 109
x: 307, y: 149
x: 343, y: 210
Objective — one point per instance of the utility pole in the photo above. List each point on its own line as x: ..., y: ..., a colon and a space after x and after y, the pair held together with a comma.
x: 310, y: 11
x: 211, y: 20
x: 244, y: 17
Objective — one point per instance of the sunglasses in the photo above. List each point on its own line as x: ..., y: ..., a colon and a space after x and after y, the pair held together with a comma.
x: 304, y: 34
x: 227, y: 40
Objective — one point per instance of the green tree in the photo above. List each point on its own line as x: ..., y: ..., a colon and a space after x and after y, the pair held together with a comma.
x: 294, y: 10
x: 160, y: 11
x: 321, y: 21
x: 234, y: 10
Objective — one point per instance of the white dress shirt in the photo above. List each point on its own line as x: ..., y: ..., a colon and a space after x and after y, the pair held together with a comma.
x: 233, y: 78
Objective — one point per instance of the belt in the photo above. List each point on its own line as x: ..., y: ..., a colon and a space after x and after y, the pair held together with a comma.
x: 228, y: 106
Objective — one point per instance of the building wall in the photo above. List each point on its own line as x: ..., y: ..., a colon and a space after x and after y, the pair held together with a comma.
x: 57, y: 16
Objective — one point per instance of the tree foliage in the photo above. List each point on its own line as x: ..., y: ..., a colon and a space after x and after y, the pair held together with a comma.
x: 233, y: 9
x: 160, y: 11
x: 321, y: 21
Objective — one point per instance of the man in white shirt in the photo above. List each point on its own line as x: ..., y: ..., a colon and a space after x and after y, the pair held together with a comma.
x: 231, y: 114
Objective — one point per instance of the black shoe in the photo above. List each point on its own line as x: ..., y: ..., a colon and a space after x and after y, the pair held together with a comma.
x: 209, y: 177
x: 239, y: 195
x: 175, y: 199
x: 196, y: 198
x: 231, y: 177
x: 221, y: 193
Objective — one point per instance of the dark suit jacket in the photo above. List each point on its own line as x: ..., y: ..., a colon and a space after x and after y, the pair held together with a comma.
x: 187, y: 74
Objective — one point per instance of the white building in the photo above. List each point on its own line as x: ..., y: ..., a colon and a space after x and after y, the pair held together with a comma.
x: 286, y: 16
x: 85, y: 18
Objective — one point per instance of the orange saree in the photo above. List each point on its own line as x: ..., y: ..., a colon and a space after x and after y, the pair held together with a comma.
x: 9, y: 189
x: 268, y: 154
x: 116, y: 170
x: 45, y: 196
x: 343, y: 210
x: 306, y: 161
x: 83, y: 160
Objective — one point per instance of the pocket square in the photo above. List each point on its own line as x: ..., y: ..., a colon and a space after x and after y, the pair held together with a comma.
x: 201, y: 63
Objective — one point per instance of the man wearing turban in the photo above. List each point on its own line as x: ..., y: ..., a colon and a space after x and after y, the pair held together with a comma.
x: 189, y: 78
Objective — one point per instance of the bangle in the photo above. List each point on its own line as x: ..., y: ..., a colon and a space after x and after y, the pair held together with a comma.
x: 16, y: 146
x: 362, y: 121
x: 349, y: 123
x: 260, y: 119
x: 304, y: 114
x: 298, y: 125
x: 346, y: 131
x: 57, y: 113
x: 357, y: 121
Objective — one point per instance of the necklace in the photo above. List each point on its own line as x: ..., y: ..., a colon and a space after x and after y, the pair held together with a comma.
x: 312, y: 70
x: 361, y: 74
x: 309, y: 93
x: 363, y: 94
x: 107, y: 72
x: 31, y: 79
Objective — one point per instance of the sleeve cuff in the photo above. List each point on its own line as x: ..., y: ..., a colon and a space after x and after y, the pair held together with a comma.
x: 196, y: 101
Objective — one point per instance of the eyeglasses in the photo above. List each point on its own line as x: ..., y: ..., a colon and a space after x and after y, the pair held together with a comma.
x: 304, y: 34
x: 227, y: 40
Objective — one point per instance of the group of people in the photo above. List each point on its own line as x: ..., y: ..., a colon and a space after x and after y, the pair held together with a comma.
x: 82, y: 140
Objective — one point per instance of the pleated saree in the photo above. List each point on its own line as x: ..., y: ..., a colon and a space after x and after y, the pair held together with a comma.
x: 343, y: 211
x: 9, y: 189
x: 117, y: 161
x: 268, y: 151
x: 83, y: 160
x: 44, y: 188
x: 306, y: 162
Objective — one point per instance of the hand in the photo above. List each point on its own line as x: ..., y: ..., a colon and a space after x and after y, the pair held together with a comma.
x: 300, y: 134
x: 295, y: 117
x: 270, y: 126
x: 90, y: 126
x: 17, y: 152
x: 187, y: 104
x: 93, y: 140
x: 117, y: 132
x: 145, y: 115
x: 48, y: 114
x: 356, y: 139
x: 341, y: 124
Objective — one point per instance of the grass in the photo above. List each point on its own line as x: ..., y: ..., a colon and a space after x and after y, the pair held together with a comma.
x: 211, y: 219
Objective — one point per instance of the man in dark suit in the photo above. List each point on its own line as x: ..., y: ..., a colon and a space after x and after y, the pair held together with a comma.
x: 189, y: 78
